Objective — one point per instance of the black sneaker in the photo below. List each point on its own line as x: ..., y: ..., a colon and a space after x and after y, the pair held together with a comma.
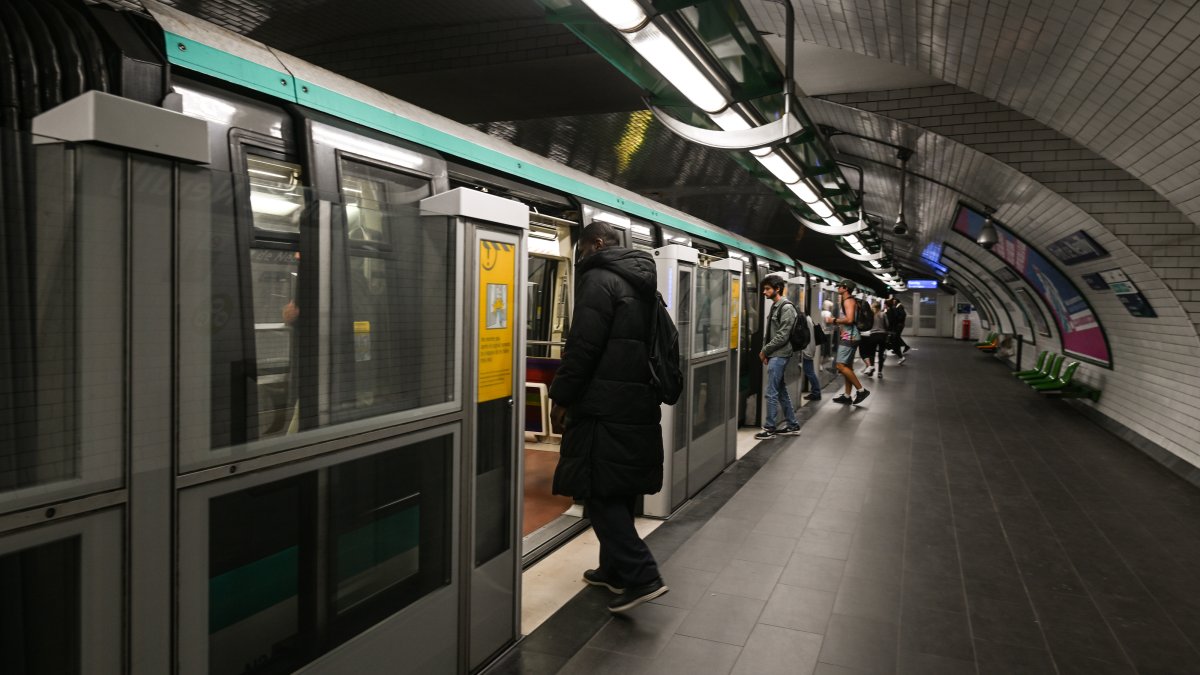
x: 595, y: 578
x: 793, y: 430
x: 765, y: 434
x: 811, y: 397
x: 861, y: 395
x: 636, y: 596
x: 843, y: 399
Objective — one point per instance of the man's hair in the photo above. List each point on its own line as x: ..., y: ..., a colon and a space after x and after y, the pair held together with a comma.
x: 598, y: 229
x: 774, y: 281
x: 844, y: 284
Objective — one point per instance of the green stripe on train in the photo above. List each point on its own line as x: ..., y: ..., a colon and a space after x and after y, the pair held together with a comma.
x: 247, y: 590
x: 366, y: 547
x: 232, y: 68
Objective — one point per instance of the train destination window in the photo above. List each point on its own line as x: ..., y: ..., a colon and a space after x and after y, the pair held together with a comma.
x: 300, y: 565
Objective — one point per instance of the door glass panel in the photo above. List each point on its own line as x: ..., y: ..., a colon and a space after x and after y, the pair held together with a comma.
x: 683, y: 323
x: 276, y: 196
x: 298, y: 566
x: 708, y: 398
x: 40, y: 609
x: 711, y: 324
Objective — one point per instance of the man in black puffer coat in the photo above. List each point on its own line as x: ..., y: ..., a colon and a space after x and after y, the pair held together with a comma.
x: 612, y: 448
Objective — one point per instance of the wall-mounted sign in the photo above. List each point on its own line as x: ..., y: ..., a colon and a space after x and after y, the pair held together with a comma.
x: 1076, y: 248
x: 965, y: 308
x: 1129, y: 295
x: 1078, y: 326
x: 922, y: 283
x: 497, y: 265
x: 1096, y: 282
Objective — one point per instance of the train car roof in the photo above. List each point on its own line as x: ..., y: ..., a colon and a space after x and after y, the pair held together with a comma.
x: 200, y: 46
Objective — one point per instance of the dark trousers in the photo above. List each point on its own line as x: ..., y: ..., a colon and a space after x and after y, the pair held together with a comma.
x: 898, y: 343
x: 624, y: 557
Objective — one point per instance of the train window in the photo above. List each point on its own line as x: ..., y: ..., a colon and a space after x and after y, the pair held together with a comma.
x: 708, y: 398
x: 276, y: 197
x: 298, y: 566
x: 395, y: 312
x: 711, y: 323
x: 40, y: 614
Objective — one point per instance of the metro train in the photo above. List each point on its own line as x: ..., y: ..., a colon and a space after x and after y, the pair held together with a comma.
x: 319, y: 336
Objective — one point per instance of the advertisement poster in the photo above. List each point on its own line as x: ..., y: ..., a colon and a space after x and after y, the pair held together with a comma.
x: 1076, y: 248
x: 1082, y: 335
x: 497, y: 265
x: 1135, y: 303
x: 1096, y: 282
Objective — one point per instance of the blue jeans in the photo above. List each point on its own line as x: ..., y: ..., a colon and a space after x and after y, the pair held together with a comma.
x: 810, y: 371
x: 777, y: 392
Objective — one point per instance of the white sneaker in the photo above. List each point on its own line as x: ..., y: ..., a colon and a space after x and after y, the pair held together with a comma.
x: 869, y: 371
x: 901, y: 361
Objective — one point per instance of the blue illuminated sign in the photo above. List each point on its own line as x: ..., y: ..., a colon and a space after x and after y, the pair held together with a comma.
x: 921, y: 283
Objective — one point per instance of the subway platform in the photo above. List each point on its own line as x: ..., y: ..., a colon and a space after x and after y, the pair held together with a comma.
x: 955, y: 523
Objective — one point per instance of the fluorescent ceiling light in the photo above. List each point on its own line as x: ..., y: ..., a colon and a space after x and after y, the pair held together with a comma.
x: 643, y: 230
x: 821, y: 209
x: 620, y: 14
x: 804, y: 192
x: 619, y: 219
x: 779, y: 168
x: 670, y: 61
x: 730, y: 120
x: 875, y: 264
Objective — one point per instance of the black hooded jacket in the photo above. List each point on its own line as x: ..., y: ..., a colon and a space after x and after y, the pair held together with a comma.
x: 612, y: 445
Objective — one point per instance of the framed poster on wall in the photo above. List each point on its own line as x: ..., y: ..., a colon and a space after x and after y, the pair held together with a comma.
x: 1096, y: 282
x: 1076, y: 248
x: 1127, y: 292
x: 1031, y: 310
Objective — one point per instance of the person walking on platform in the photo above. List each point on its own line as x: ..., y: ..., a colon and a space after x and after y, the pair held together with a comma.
x: 830, y: 336
x: 847, y: 342
x: 873, y: 347
x: 612, y: 448
x: 776, y: 352
x: 896, y: 318
x: 809, y: 357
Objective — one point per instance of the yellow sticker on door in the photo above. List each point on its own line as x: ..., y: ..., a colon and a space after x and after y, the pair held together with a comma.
x: 497, y: 265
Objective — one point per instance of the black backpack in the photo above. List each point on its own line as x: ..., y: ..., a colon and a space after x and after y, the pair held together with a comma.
x: 800, y: 336
x: 666, y: 376
x: 863, y: 317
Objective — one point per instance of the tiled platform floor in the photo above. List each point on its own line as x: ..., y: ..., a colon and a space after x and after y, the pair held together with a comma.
x: 957, y: 523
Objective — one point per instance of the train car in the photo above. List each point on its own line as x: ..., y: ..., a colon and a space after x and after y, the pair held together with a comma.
x: 313, y: 329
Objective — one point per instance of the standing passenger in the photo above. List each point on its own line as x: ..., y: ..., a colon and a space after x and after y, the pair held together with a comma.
x: 874, y: 343
x: 847, y: 341
x: 809, y: 356
x: 896, y: 318
x: 776, y: 352
x: 612, y: 447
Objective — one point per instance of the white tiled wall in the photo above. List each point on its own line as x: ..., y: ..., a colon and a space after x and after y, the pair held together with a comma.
x: 1154, y: 386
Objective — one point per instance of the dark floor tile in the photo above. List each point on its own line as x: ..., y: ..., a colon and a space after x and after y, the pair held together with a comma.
x: 882, y: 565
x: 929, y: 631
x: 568, y: 629
x: 1148, y: 636
x: 747, y: 579
x: 933, y: 559
x: 802, y: 609
x: 1076, y: 664
x: 687, y: 585
x: 933, y: 592
x: 824, y: 543
x: 685, y: 655
x: 1044, y: 565
x: 912, y: 663
x: 782, y: 525
x: 590, y: 661
x: 1004, y: 622
x: 527, y: 662
x: 772, y: 650
x: 1073, y: 625
x: 644, y: 634
x: 722, y: 618
x: 869, y: 598
x: 997, y: 659
x: 703, y: 554
x: 861, y: 644
x: 810, y: 571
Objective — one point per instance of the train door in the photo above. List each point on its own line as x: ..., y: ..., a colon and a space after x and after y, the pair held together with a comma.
x: 732, y: 403
x: 711, y: 368
x: 676, y: 273
x: 496, y: 264
x: 750, y: 341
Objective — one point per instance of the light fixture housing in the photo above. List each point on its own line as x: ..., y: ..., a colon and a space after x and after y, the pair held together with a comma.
x: 987, y: 234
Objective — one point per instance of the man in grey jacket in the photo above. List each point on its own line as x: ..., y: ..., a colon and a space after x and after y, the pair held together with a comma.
x: 775, y: 354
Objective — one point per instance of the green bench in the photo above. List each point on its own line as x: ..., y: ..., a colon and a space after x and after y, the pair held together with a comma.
x: 1045, y: 378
